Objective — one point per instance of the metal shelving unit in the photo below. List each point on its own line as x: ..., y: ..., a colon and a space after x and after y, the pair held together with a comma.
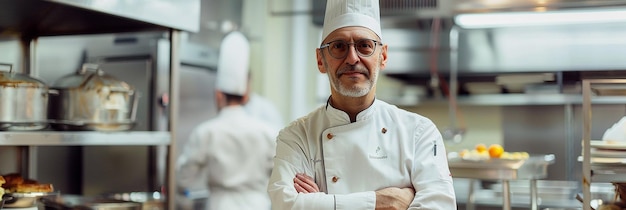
x: 27, y: 20
x: 594, y: 89
x: 80, y: 138
x: 516, y: 99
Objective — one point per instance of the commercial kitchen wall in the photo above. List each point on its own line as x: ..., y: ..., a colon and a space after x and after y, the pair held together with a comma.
x: 276, y: 26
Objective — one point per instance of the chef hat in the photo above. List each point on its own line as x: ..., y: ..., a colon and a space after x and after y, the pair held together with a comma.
x: 343, y: 13
x: 232, y: 66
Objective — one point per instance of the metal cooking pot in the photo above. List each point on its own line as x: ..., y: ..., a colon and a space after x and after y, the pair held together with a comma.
x: 23, y: 101
x: 90, y: 99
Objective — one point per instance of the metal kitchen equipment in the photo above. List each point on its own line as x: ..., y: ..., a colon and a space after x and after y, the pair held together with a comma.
x: 598, y: 167
x: 25, y: 21
x: 24, y: 200
x: 90, y: 99
x: 148, y: 200
x: 68, y: 202
x: 504, y: 170
x: 23, y: 101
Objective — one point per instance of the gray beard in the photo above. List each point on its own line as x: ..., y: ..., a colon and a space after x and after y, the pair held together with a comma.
x: 353, y: 91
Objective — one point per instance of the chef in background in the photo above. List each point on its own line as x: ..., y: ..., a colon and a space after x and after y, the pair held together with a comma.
x: 232, y: 153
x: 264, y: 109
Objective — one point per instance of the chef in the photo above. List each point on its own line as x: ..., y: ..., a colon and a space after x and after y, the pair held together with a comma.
x: 357, y: 152
x: 230, y: 154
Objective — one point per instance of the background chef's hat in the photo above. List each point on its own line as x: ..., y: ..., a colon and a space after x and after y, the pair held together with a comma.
x: 233, y: 64
x: 343, y: 13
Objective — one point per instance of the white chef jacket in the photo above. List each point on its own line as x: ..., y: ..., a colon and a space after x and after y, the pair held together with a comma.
x: 264, y: 109
x: 234, y: 151
x: 385, y: 147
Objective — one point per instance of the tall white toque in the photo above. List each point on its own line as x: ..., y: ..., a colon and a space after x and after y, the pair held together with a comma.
x: 344, y: 13
x: 233, y: 64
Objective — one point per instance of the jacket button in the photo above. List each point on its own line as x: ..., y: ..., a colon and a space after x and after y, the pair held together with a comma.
x: 329, y: 136
x: 335, y: 179
x: 384, y: 130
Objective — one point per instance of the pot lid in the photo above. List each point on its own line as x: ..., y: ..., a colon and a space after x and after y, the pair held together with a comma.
x: 10, y: 78
x: 91, y: 77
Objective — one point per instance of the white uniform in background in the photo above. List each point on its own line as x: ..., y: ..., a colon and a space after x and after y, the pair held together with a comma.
x: 237, y: 149
x: 386, y: 146
x: 265, y: 110
x: 231, y: 154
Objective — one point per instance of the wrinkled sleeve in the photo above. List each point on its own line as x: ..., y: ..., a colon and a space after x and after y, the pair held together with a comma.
x: 431, y: 175
x: 191, y: 162
x: 294, y: 156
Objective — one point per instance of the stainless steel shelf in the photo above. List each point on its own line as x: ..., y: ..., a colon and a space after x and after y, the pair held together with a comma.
x: 84, y: 138
x: 533, y: 168
x: 608, y: 172
x: 34, y: 18
x: 510, y: 100
x: 594, y: 89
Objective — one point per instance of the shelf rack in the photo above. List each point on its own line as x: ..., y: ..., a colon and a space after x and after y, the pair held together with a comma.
x: 27, y: 20
x: 513, y: 99
x: 85, y: 138
x: 595, y: 89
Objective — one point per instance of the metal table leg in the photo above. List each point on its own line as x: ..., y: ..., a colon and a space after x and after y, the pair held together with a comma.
x: 533, y: 194
x: 506, y: 195
x: 471, y: 197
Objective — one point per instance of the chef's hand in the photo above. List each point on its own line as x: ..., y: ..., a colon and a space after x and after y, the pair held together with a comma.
x: 393, y: 198
x: 305, y: 184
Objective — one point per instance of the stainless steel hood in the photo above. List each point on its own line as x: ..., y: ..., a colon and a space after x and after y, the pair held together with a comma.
x: 525, y: 49
x: 482, y: 6
x: 29, y: 18
x: 484, y: 52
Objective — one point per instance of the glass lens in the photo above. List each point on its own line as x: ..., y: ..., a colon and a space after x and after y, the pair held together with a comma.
x: 340, y: 48
x: 365, y: 47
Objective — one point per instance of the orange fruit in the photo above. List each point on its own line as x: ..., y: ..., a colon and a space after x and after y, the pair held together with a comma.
x: 480, y: 148
x: 495, y: 150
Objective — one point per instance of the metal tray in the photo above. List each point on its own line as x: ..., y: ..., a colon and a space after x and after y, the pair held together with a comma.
x: 535, y: 167
x: 599, y: 144
x: 89, y: 126
x: 77, y: 202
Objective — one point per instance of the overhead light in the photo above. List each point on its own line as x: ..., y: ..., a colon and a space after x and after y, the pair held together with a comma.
x: 540, y: 18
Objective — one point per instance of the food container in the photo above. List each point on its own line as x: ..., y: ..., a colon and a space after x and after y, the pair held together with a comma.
x: 23, y: 101
x: 90, y: 99
x: 76, y: 202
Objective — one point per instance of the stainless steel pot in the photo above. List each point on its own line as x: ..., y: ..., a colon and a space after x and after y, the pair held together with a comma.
x: 90, y: 99
x: 23, y: 101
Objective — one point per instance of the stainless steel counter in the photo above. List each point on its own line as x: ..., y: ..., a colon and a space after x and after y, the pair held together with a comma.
x: 533, y: 168
x: 488, y: 194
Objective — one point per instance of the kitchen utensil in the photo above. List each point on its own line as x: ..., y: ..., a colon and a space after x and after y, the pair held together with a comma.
x: 454, y: 133
x: 23, y: 101
x: 90, y: 99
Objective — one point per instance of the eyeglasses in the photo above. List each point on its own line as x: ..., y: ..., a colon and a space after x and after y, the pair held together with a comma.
x: 339, y: 49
